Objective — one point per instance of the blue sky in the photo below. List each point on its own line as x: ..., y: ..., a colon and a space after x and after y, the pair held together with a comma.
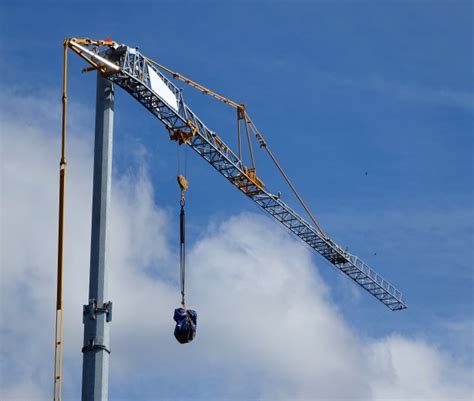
x: 338, y: 89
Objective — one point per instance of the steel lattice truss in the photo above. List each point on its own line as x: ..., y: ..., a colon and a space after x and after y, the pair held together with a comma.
x: 133, y: 77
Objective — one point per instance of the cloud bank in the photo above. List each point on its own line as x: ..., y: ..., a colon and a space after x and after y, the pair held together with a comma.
x: 267, y: 326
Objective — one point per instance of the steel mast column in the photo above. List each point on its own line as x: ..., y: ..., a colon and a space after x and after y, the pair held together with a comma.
x: 98, y: 313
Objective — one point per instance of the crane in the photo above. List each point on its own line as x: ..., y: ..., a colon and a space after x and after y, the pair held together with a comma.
x: 149, y: 82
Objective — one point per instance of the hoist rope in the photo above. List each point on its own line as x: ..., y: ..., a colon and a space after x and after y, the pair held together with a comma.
x: 182, y: 254
x: 178, y: 158
x: 183, y: 185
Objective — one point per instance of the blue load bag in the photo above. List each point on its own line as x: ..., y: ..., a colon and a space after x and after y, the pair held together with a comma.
x: 186, y: 321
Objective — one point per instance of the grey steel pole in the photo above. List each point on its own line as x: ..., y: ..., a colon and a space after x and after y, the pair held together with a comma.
x: 98, y: 313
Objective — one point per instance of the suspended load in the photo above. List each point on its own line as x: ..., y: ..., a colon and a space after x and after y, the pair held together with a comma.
x: 186, y: 319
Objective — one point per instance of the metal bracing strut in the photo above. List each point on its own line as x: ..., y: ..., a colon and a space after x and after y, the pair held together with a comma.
x: 58, y: 336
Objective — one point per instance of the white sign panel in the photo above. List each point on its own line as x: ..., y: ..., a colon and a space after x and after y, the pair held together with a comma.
x: 158, y: 86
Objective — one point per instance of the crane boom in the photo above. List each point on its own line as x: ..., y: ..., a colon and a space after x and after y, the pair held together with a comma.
x: 133, y: 72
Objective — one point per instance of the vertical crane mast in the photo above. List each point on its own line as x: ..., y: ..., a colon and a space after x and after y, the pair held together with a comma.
x: 98, y: 313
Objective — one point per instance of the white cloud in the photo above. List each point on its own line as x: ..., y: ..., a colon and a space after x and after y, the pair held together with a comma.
x: 426, y: 95
x: 414, y: 369
x: 267, y: 327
